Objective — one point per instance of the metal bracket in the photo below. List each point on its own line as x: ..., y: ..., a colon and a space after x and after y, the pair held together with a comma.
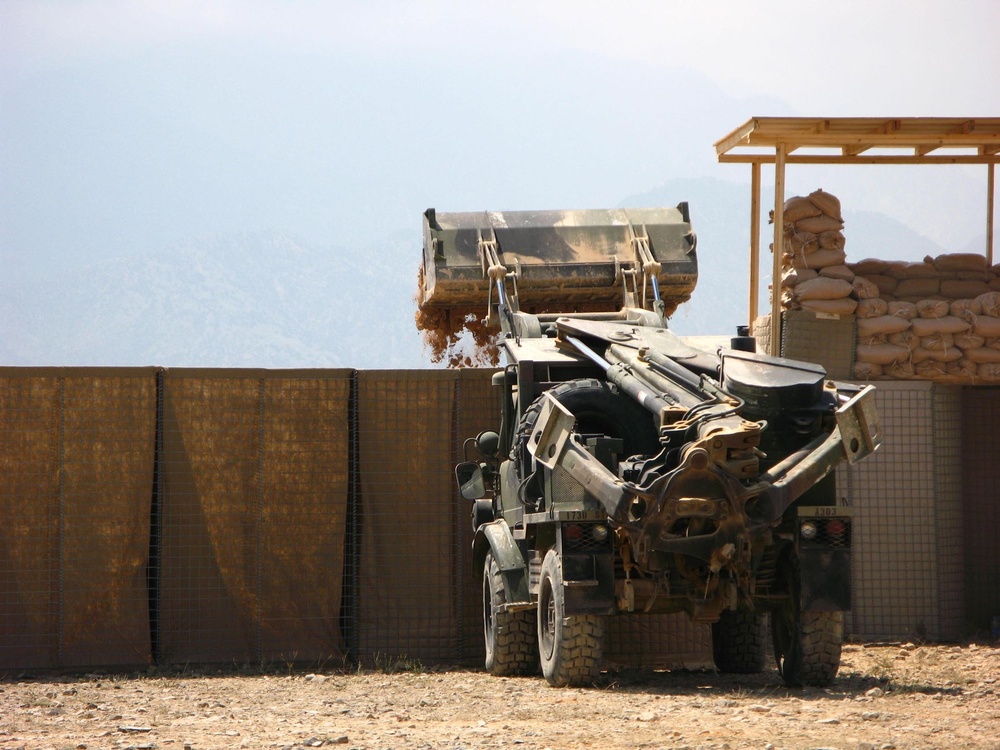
x: 496, y: 272
x: 860, y: 428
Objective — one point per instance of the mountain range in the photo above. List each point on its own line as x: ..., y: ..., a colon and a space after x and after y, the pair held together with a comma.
x: 268, y: 299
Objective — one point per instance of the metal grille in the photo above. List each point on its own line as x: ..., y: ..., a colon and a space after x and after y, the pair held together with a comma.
x: 823, y: 339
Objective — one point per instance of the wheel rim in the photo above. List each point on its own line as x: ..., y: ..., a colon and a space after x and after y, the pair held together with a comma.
x: 487, y: 609
x: 548, y: 611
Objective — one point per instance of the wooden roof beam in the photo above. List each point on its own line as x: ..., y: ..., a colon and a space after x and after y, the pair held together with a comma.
x: 858, y: 148
x: 963, y: 128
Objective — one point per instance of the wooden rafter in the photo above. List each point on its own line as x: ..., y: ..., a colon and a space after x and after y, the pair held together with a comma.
x: 914, y: 139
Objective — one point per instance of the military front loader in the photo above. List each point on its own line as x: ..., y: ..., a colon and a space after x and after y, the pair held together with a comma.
x: 635, y: 471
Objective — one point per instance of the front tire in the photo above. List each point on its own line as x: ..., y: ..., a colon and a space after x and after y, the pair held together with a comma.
x: 806, y: 643
x: 570, y: 646
x: 509, y: 636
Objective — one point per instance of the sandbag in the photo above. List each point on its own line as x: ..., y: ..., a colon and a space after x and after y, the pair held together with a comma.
x: 838, y: 272
x: 986, y: 326
x: 895, y: 268
x: 886, y: 284
x: 832, y: 240
x: 989, y: 371
x: 969, y: 340
x: 966, y: 309
x: 867, y: 371
x: 930, y: 326
x: 800, y: 242
x: 983, y: 354
x: 862, y: 288
x: 901, y: 370
x: 869, y: 267
x: 993, y: 343
x: 798, y: 207
x: 819, y: 224
x: 951, y: 354
x: 904, y: 270
x: 938, y: 341
x: 930, y: 369
x: 959, y: 289
x: 822, y: 288
x: 794, y: 276
x: 842, y: 306
x: 917, y: 287
x: 875, y: 340
x: 990, y: 303
x: 962, y: 368
x: 958, y: 262
x: 901, y: 309
x: 819, y: 259
x: 882, y: 354
x: 930, y: 308
x: 905, y: 338
x: 882, y: 324
x: 872, y: 308
x: 827, y: 203
x: 995, y: 285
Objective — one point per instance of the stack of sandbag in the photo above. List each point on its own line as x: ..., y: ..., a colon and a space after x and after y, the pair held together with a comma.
x: 814, y: 275
x: 929, y: 338
x: 946, y: 277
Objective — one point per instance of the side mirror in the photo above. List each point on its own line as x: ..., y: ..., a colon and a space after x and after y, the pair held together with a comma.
x: 470, y: 480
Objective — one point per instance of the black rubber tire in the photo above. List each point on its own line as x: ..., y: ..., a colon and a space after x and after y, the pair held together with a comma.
x: 806, y: 643
x: 600, y: 408
x: 570, y: 646
x: 739, y: 642
x: 509, y: 636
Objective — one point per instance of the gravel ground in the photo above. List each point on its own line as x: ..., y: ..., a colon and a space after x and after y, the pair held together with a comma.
x: 886, y: 696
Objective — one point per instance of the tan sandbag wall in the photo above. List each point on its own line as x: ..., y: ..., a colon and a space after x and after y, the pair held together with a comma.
x: 938, y: 319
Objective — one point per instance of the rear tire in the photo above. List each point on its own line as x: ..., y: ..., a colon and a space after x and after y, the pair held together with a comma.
x: 739, y: 642
x: 806, y: 643
x: 570, y: 646
x: 509, y: 636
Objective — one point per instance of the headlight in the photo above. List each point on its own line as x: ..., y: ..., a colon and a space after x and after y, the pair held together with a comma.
x: 599, y: 533
x: 808, y: 531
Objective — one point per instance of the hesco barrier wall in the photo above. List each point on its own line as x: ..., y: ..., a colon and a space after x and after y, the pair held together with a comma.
x: 176, y: 516
x: 907, y: 498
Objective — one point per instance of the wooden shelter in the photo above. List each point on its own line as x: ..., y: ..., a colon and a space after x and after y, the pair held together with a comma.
x: 850, y: 140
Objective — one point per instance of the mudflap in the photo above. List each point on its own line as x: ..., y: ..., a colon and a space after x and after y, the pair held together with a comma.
x: 589, y: 582
x: 825, y: 580
x: 495, y: 537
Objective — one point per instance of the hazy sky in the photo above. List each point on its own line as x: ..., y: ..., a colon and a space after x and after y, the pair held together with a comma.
x: 850, y: 57
x: 126, y: 125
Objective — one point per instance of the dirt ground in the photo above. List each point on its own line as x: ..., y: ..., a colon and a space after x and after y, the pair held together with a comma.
x: 886, y: 696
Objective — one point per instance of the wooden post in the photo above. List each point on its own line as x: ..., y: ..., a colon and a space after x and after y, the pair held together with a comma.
x: 754, y: 240
x: 990, y: 185
x: 776, y: 250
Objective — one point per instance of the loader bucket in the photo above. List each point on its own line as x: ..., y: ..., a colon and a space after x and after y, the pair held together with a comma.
x: 562, y: 261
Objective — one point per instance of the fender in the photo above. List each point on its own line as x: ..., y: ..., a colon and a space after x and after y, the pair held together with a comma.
x: 495, y: 537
